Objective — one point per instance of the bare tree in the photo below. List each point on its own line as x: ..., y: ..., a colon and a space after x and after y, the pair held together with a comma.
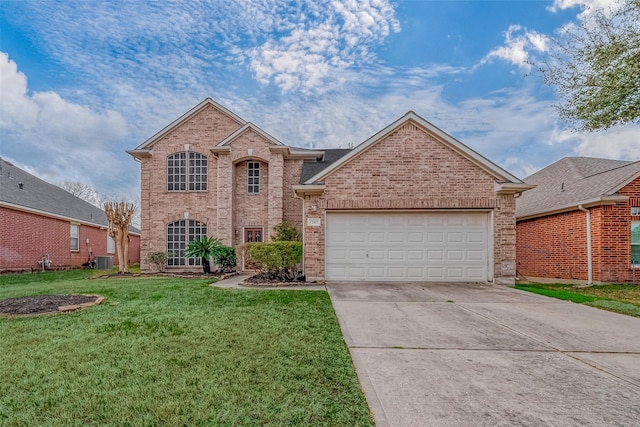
x: 120, y: 215
x: 595, y: 68
x: 82, y: 191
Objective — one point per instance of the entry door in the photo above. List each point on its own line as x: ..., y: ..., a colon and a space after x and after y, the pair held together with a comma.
x: 403, y: 246
x: 252, y: 235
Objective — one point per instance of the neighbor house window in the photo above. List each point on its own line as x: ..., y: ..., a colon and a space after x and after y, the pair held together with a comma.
x: 253, y: 177
x: 179, y: 234
x: 111, y: 245
x: 635, y: 243
x: 75, y: 237
x: 187, y: 170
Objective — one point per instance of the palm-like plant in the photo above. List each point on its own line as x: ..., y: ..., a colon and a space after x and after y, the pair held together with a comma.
x: 204, y: 248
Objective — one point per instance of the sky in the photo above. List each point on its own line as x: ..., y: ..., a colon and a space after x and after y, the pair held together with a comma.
x: 81, y: 82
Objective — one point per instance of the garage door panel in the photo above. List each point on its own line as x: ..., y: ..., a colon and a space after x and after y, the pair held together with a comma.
x: 442, y: 246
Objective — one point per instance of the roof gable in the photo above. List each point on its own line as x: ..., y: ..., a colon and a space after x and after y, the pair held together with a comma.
x: 246, y: 128
x: 411, y: 117
x: 182, y: 119
x: 574, y: 181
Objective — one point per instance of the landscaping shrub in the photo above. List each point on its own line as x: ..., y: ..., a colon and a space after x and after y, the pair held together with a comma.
x: 286, y: 232
x: 225, y: 258
x: 278, y: 259
x: 159, y: 259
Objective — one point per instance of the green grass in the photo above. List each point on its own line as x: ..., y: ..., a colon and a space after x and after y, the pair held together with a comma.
x: 623, y: 299
x: 166, y: 351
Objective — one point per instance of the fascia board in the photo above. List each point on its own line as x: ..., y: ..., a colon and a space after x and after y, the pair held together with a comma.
x: 456, y: 145
x: 598, y: 201
x: 171, y: 126
x: 312, y: 190
x: 624, y: 183
x: 245, y: 128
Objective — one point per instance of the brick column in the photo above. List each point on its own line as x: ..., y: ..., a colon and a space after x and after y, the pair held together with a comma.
x: 225, y: 199
x: 276, y: 194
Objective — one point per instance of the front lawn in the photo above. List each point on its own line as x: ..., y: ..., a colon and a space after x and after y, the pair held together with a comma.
x: 624, y: 299
x: 167, y: 351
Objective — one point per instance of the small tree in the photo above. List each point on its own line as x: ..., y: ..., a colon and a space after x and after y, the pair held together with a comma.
x: 286, y: 232
x: 119, y: 215
x: 204, y: 248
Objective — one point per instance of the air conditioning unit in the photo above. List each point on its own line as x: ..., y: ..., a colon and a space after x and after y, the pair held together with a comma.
x: 104, y: 262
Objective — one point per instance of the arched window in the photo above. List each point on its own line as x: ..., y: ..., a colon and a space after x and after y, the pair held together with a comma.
x: 187, y: 170
x: 179, y: 233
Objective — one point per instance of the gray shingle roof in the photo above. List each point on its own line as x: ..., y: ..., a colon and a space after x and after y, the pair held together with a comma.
x: 39, y: 195
x: 572, y: 181
x: 331, y: 155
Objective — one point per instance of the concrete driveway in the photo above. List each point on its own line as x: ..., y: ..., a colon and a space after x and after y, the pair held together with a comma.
x: 431, y: 354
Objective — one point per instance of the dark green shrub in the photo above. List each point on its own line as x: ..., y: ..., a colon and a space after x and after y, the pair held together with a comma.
x: 278, y: 259
x: 225, y: 258
x: 286, y: 232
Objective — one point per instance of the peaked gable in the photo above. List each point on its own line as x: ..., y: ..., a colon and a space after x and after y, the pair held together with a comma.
x: 208, y: 102
x: 247, y: 128
x: 491, y: 168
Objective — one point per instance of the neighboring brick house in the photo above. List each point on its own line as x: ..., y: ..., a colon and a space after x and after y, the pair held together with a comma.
x: 581, y: 222
x: 409, y: 203
x: 40, y: 220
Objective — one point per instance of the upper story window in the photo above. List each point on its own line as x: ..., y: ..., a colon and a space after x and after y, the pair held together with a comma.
x: 187, y: 171
x: 75, y: 237
x: 253, y: 177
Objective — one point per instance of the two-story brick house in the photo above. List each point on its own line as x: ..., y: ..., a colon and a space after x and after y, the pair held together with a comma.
x: 409, y: 203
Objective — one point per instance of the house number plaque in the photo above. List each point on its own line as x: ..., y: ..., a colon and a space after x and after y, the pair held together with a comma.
x: 314, y: 222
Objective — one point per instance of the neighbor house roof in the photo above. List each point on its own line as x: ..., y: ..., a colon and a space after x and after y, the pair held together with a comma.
x: 22, y: 191
x: 574, y: 181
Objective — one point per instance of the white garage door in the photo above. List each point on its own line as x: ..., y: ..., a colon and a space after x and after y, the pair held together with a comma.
x: 409, y: 246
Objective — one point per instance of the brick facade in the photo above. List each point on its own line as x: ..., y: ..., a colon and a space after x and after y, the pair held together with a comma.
x: 408, y: 170
x: 25, y: 238
x: 555, y: 246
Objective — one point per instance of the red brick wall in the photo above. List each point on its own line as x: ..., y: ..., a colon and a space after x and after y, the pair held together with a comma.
x: 292, y: 205
x: 412, y: 169
x: 26, y: 237
x: 555, y: 246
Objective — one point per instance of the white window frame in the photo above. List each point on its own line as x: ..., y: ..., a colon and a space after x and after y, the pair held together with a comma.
x: 74, y: 238
x: 183, y: 231
x: 635, y: 264
x: 187, y: 171
x: 253, y: 177
x: 111, y: 245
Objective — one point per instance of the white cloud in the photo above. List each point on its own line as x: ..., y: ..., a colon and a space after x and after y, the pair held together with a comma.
x: 63, y: 138
x: 586, y: 5
x: 307, y: 58
x: 622, y: 143
x: 518, y: 42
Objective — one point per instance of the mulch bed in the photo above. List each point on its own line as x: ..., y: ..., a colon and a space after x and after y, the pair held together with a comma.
x: 43, y: 304
x: 267, y: 280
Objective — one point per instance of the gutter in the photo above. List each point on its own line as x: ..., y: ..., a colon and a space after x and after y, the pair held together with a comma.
x: 589, y: 248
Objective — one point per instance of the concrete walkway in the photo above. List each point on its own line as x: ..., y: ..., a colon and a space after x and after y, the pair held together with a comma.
x: 233, y: 282
x: 483, y: 355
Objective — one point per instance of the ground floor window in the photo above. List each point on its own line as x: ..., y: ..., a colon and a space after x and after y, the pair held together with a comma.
x: 75, y: 237
x: 635, y: 243
x: 179, y: 233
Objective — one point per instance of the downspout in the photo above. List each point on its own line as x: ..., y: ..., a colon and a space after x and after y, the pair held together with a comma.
x: 589, y: 257
x: 304, y: 220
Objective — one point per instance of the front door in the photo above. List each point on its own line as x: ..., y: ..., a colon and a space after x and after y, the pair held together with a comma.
x: 252, y: 235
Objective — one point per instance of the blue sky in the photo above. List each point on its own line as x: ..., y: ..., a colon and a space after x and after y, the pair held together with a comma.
x: 83, y: 81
